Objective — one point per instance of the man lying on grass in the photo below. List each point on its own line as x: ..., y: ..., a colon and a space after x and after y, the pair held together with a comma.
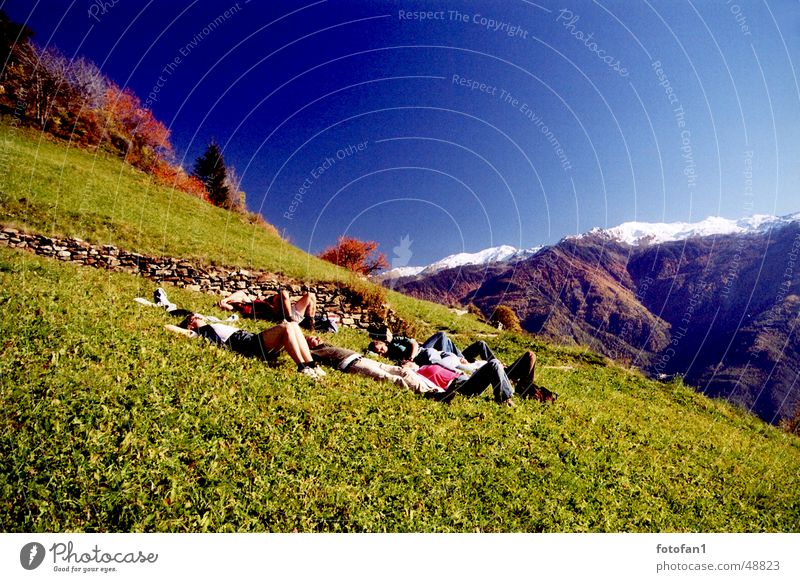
x: 437, y: 349
x: 265, y: 345
x: 352, y: 362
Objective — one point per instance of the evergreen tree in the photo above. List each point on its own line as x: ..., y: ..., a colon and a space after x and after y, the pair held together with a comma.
x: 210, y: 170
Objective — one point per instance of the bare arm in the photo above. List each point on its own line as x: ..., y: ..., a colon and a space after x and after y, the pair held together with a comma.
x: 176, y: 329
x: 414, y: 348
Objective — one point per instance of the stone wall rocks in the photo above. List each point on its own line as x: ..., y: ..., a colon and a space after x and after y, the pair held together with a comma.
x: 332, y: 298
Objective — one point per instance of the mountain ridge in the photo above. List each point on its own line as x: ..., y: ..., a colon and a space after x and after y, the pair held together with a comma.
x: 717, y: 309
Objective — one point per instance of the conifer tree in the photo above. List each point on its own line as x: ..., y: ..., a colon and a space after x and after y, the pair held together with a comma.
x: 210, y: 170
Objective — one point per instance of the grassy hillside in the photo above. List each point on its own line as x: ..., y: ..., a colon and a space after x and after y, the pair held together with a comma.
x: 109, y: 423
x: 48, y: 188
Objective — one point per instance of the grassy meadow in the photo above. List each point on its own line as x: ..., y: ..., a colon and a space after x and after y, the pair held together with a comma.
x: 110, y: 423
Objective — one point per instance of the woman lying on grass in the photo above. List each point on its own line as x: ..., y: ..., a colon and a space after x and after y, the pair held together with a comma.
x: 265, y: 345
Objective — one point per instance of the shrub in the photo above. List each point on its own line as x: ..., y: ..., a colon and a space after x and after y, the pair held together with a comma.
x: 358, y: 256
x: 505, y: 315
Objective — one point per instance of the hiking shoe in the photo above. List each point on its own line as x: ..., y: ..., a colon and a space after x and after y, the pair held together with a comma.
x: 310, y: 372
x: 320, y: 372
x: 446, y: 396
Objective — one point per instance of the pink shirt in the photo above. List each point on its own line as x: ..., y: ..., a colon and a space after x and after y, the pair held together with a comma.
x: 438, y: 375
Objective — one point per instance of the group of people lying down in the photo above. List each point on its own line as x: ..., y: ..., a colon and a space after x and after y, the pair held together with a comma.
x: 436, y: 368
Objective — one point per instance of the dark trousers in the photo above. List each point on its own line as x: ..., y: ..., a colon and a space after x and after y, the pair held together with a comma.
x: 491, y: 373
x: 479, y: 350
x: 522, y: 372
x: 440, y: 341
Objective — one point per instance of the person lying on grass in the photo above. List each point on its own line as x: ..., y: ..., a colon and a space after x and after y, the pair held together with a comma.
x: 437, y: 349
x: 276, y: 307
x: 522, y: 373
x: 492, y: 374
x: 265, y: 345
x: 352, y: 362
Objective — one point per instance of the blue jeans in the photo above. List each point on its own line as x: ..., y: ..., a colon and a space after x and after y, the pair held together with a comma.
x: 440, y: 341
x: 490, y: 373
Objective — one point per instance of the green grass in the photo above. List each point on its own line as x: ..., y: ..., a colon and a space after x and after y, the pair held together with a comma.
x: 110, y: 423
x: 48, y: 188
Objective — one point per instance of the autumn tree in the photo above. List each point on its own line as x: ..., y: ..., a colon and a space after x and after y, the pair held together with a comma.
x: 133, y: 130
x: 210, y: 170
x: 476, y: 311
x: 358, y: 256
x: 504, y: 315
x: 234, y: 184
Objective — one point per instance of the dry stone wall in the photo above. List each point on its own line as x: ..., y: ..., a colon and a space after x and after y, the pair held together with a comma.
x: 332, y: 298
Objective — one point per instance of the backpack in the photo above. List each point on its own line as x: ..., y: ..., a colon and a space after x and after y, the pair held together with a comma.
x: 326, y: 324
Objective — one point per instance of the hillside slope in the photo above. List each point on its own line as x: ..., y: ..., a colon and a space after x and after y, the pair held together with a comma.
x: 108, y: 423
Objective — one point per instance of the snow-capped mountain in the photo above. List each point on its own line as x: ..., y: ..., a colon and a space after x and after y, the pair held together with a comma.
x: 501, y: 254
x: 632, y: 233
x: 646, y: 233
x: 720, y: 311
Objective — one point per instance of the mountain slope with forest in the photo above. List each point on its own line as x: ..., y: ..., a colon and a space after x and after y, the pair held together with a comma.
x: 719, y: 309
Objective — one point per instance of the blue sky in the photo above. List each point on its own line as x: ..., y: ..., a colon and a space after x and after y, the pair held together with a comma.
x: 483, y: 123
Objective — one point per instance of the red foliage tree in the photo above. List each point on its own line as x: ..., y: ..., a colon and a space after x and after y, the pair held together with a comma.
x: 356, y: 255
x: 133, y: 130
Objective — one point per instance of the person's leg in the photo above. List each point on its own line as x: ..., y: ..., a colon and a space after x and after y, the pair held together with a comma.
x: 306, y: 306
x: 440, y: 341
x: 283, y: 304
x: 228, y: 302
x: 523, y: 371
x: 287, y: 336
x: 298, y: 341
x: 479, y: 350
x: 491, y: 373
